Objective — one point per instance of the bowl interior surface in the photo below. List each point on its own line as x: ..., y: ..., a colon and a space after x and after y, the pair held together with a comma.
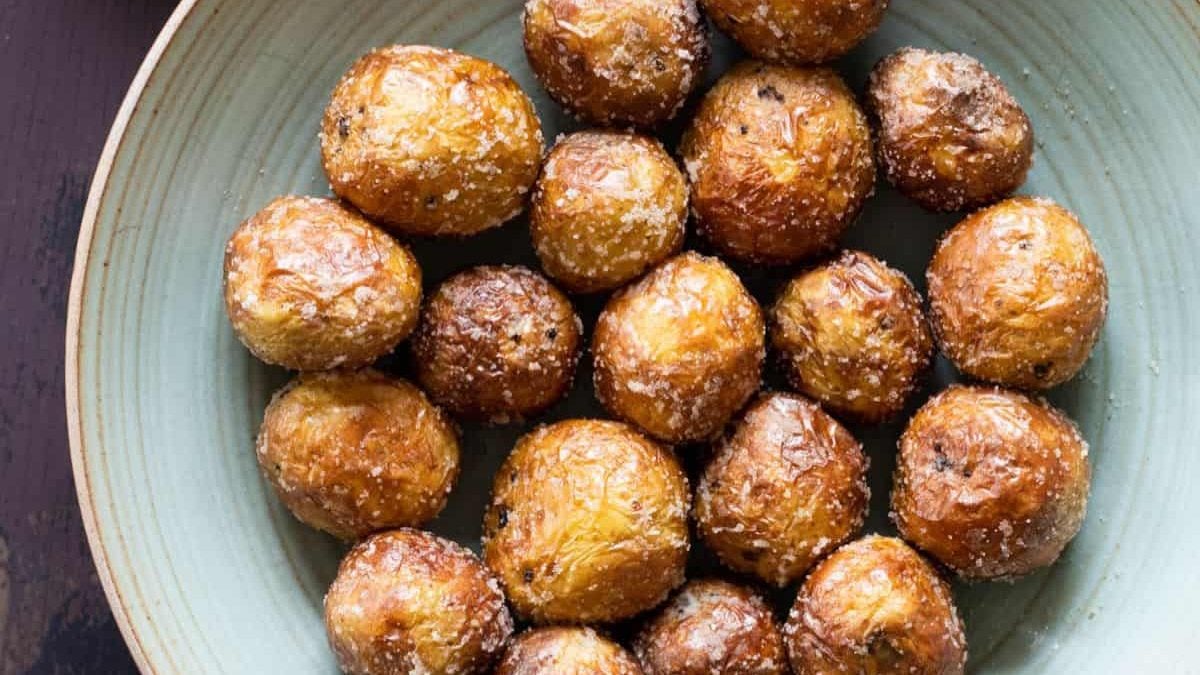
x: 209, y: 573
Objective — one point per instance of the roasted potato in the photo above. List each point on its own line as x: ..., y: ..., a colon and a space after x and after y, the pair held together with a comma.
x: 950, y: 134
x: 311, y: 285
x: 497, y: 343
x: 780, y: 162
x: 785, y: 487
x: 608, y: 206
x: 1018, y: 294
x: 617, y: 62
x: 991, y: 483
x: 712, y: 626
x: 875, y: 606
x: 565, y: 650
x: 797, y: 31
x: 407, y: 601
x: 851, y: 334
x: 430, y: 141
x: 680, y: 351
x: 587, y: 523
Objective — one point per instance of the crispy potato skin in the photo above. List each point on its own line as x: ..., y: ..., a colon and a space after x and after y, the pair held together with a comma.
x: 565, y: 650
x: 406, y: 601
x: 355, y: 452
x: 797, y: 31
x: 680, y: 351
x: 851, y: 334
x: 430, y: 141
x: 712, y: 626
x: 991, y: 483
x: 787, y: 485
x: 780, y: 162
x: 875, y: 606
x: 617, y: 62
x: 497, y: 343
x: 950, y: 134
x: 588, y: 523
x: 608, y: 206
x: 1018, y: 294
x: 312, y: 285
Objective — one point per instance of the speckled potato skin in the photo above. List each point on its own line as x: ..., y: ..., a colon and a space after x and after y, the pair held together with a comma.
x: 950, y: 135
x: 617, y: 62
x: 712, y: 626
x: 563, y: 650
x: 680, y: 351
x: 587, y: 523
x: 786, y: 486
x: 797, y: 31
x: 991, y: 483
x: 1018, y: 294
x: 875, y: 606
x: 407, y: 601
x: 497, y: 343
x: 851, y: 334
x: 608, y: 206
x: 355, y: 452
x: 429, y: 141
x: 312, y: 285
x: 780, y: 162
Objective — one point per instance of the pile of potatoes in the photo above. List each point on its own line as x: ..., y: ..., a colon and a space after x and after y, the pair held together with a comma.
x: 591, y: 521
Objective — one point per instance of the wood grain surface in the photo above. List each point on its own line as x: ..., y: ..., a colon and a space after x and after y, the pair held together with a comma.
x: 64, y: 67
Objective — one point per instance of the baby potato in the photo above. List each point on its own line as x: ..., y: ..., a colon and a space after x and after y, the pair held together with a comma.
x: 563, y: 650
x: 608, y: 206
x: 780, y: 162
x: 355, y: 452
x: 680, y: 351
x: 587, y: 523
x: 497, y: 343
x: 786, y: 486
x: 311, y: 285
x: 1018, y: 294
x: 407, y: 601
x: 712, y: 626
x: 950, y: 134
x: 875, y: 606
x: 851, y: 334
x: 797, y: 31
x: 991, y: 483
x: 431, y: 141
x: 617, y: 62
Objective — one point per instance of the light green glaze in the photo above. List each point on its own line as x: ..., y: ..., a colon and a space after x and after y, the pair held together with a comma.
x: 208, y: 573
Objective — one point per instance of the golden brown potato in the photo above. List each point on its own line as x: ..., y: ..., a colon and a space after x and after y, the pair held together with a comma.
x: 406, y: 601
x: 565, y: 651
x: 990, y: 482
x: 311, y: 285
x: 617, y: 62
x: 680, y: 351
x: 430, y: 141
x: 1018, y: 294
x: 780, y: 162
x: 354, y: 452
x: 950, y: 134
x: 710, y: 627
x: 851, y: 334
x: 497, y: 343
x: 608, y: 206
x: 787, y: 486
x: 797, y: 31
x: 875, y: 606
x: 588, y: 523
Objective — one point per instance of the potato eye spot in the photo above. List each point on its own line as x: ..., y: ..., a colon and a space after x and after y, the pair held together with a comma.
x: 552, y: 333
x: 502, y: 517
x: 343, y: 127
x: 771, y: 93
x: 1041, y: 370
x: 527, y: 575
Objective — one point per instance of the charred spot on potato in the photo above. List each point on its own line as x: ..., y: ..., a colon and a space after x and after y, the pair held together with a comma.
x: 502, y: 516
x: 552, y: 333
x: 431, y: 202
x: 1041, y: 370
x: 769, y: 92
x: 343, y: 126
x: 527, y: 575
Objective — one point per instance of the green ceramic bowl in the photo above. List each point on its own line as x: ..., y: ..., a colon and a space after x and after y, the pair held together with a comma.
x: 208, y: 573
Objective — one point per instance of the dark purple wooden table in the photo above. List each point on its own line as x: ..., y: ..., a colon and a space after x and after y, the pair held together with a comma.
x: 64, y: 66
